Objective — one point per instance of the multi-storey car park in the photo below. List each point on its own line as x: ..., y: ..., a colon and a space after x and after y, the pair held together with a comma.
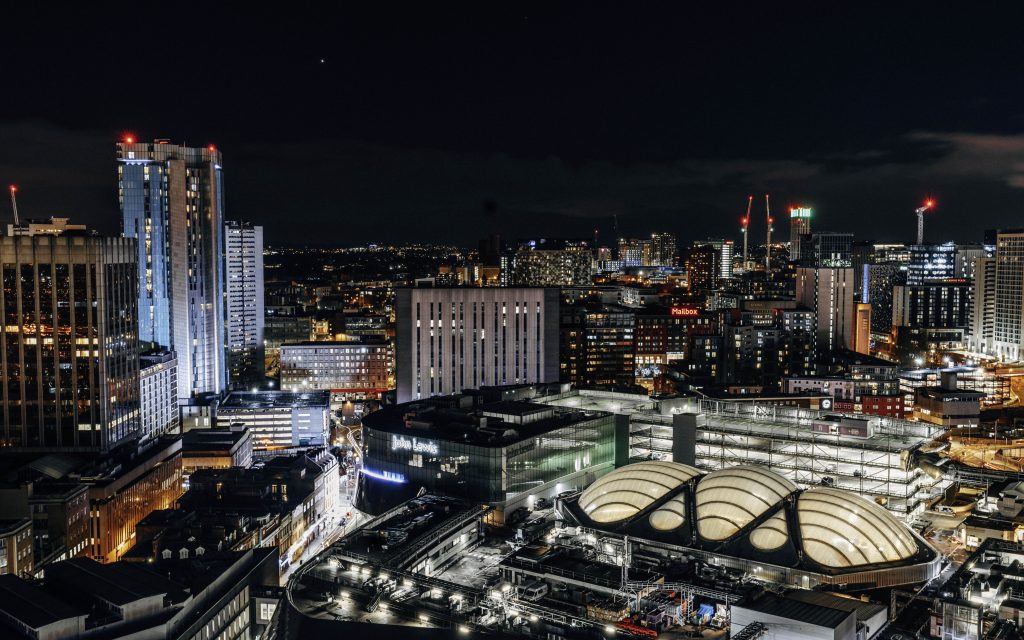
x: 873, y: 456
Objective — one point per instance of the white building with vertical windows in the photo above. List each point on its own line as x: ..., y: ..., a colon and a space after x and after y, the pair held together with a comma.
x: 158, y: 394
x: 1008, y: 338
x: 451, y: 339
x: 243, y: 276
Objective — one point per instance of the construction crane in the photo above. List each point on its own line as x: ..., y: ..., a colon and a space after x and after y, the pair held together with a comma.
x: 768, y: 245
x: 928, y: 204
x: 746, y: 224
x: 14, y: 203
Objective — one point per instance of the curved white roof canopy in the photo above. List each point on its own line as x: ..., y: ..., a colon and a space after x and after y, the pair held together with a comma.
x: 628, y: 490
x: 730, y: 499
x: 841, y: 529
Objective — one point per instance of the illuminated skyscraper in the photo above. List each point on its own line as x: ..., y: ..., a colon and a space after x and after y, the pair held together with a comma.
x: 664, y: 249
x: 703, y: 268
x: 171, y: 200
x: 70, y: 342
x: 799, y: 225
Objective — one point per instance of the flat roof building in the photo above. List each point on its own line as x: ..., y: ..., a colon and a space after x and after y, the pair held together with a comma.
x: 278, y: 419
x: 500, y: 453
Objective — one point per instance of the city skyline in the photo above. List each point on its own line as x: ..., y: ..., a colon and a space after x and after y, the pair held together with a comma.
x: 668, y: 124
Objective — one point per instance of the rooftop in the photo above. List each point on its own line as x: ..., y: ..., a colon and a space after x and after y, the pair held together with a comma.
x: 275, y: 400
x: 459, y: 418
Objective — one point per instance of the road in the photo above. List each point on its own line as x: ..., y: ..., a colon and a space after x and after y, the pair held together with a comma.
x: 330, y: 522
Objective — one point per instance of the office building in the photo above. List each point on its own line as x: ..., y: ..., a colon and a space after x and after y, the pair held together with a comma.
x: 1008, y: 334
x: 58, y: 512
x: 243, y: 281
x: 861, y: 329
x: 70, y: 344
x: 664, y: 249
x: 827, y: 249
x: 158, y: 394
x: 935, y: 305
x: 552, y: 263
x: 931, y: 262
x: 505, y: 453
x: 881, y: 282
x: 703, y: 268
x: 16, y: 556
x: 215, y: 449
x: 828, y: 291
x: 799, y: 226
x: 598, y: 345
x: 358, y: 369
x: 172, y: 203
x: 285, y: 501
x: 278, y: 419
x: 966, y: 257
x: 125, y: 488
x: 450, y: 339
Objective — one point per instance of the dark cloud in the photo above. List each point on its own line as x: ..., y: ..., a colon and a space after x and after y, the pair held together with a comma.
x: 347, y: 192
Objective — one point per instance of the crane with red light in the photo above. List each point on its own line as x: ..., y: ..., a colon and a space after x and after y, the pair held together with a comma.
x: 928, y: 204
x: 14, y: 203
x: 746, y: 224
x: 768, y: 245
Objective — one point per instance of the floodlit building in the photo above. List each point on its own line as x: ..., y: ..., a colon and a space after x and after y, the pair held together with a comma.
x: 752, y: 519
x: 809, y: 447
x: 278, y: 419
x: 172, y: 203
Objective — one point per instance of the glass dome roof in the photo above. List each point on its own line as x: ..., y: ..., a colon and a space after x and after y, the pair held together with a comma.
x: 730, y: 499
x: 628, y: 490
x: 841, y: 529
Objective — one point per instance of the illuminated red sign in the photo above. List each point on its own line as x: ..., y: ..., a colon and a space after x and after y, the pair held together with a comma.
x: 684, y: 312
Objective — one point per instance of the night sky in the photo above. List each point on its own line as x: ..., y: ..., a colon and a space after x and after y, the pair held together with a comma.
x: 444, y: 122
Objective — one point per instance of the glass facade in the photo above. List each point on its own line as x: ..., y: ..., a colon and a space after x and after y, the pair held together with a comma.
x: 69, y: 343
x: 171, y: 200
x: 488, y: 473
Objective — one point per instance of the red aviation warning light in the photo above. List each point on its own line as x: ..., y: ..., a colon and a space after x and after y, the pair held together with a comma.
x: 212, y: 148
x: 129, y: 139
